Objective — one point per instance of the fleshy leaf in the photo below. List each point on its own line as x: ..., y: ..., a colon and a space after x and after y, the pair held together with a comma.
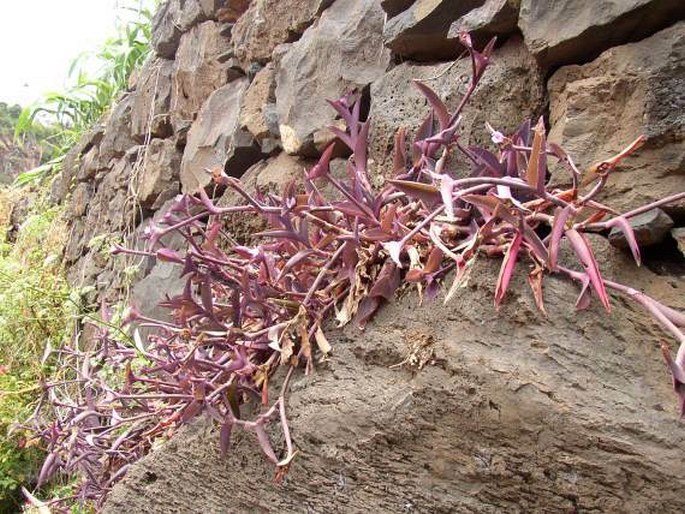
x: 435, y: 102
x: 507, y: 269
x: 582, y: 249
x: 322, y: 168
x: 535, y: 278
x: 400, y: 152
x: 629, y: 233
x: 428, y: 194
x: 560, y: 218
x: 537, y: 163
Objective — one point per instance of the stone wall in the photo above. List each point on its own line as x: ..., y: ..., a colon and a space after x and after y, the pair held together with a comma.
x: 242, y: 85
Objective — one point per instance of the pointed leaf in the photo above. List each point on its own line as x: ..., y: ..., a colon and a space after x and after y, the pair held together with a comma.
x: 582, y: 249
x: 387, y: 282
x: 461, y: 278
x: 322, y: 168
x: 537, y: 163
x: 535, y: 281
x: 629, y: 234
x: 400, y: 152
x: 265, y: 444
x: 561, y: 216
x: 507, y: 269
x: 434, y: 100
x: 428, y: 194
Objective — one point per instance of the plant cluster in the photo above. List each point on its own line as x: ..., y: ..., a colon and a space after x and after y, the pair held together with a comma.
x: 72, y: 112
x: 34, y: 313
x: 249, y: 311
x: 25, y: 153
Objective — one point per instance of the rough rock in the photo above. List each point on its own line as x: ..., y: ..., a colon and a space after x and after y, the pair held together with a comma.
x: 568, y: 31
x: 514, y: 412
x: 80, y: 199
x: 158, y: 178
x: 210, y: 139
x: 152, y: 98
x: 342, y: 51
x: 493, y: 18
x: 198, y: 72
x: 71, y: 165
x: 210, y: 7
x: 164, y: 279
x: 678, y: 234
x: 117, y: 138
x: 89, y: 165
x: 173, y: 18
x: 420, y: 32
x: 259, y: 98
x: 161, y: 279
x: 267, y: 176
x: 232, y: 10
x: 511, y: 90
x: 74, y: 249
x: 598, y: 108
x: 650, y: 228
x: 268, y: 23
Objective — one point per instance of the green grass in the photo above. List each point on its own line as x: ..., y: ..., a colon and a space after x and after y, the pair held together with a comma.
x: 35, y: 312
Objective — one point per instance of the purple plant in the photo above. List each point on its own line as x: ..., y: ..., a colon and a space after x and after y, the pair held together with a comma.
x: 248, y: 311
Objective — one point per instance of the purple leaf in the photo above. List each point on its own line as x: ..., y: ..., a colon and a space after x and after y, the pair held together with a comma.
x: 678, y: 375
x: 435, y: 102
x: 322, y: 168
x: 387, y: 282
x: 558, y: 228
x: 367, y: 308
x: 582, y: 249
x: 507, y: 269
x: 629, y: 233
x: 400, y: 152
x: 265, y: 444
x: 428, y: 194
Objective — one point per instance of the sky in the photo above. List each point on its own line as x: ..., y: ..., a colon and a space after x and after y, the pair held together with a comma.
x: 40, y: 38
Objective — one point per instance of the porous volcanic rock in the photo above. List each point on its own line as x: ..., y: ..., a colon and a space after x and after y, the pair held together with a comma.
x: 513, y: 412
x: 420, y: 31
x: 598, y: 108
x: 342, y: 51
x: 267, y: 176
x: 567, y: 31
x: 511, y: 90
x: 493, y: 18
x: 268, y: 23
